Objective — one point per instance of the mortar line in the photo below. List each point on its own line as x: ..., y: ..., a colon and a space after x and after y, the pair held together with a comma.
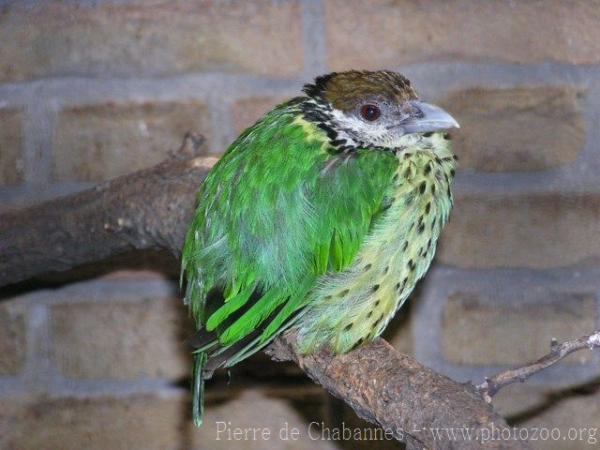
x: 440, y: 76
x: 38, y: 129
x: 588, y: 161
x: 314, y: 37
x: 221, y: 122
x: 39, y: 372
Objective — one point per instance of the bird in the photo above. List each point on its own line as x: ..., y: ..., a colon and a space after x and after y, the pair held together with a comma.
x: 319, y: 218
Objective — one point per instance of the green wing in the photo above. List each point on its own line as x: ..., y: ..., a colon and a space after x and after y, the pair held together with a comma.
x: 275, y: 213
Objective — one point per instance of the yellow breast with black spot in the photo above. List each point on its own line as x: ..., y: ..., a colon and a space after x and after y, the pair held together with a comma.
x: 355, y: 305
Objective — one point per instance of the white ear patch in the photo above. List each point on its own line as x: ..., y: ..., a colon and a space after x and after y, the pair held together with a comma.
x: 374, y: 133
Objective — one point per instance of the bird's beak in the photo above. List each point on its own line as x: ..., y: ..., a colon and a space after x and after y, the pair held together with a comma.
x: 425, y: 117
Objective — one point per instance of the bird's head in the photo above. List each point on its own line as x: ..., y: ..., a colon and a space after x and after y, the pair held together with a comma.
x: 371, y: 110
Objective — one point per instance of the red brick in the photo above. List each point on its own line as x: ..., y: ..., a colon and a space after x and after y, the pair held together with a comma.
x: 518, y: 398
x: 11, y: 147
x: 249, y: 110
x: 574, y: 414
x: 99, y: 142
x: 522, y: 129
x: 537, y: 230
x: 513, y: 334
x: 399, y: 331
x: 387, y: 33
x: 122, y: 339
x: 151, y: 421
x: 153, y: 40
x: 538, y: 411
x: 275, y: 415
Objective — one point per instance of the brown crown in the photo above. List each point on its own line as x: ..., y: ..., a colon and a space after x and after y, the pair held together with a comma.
x: 346, y: 90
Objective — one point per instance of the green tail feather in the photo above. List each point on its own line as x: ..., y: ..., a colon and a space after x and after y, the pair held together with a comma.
x: 198, y: 388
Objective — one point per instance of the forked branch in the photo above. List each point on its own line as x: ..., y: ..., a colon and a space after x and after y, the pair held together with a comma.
x: 492, y: 385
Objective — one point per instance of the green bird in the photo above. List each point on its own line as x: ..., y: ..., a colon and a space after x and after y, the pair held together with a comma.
x: 320, y: 217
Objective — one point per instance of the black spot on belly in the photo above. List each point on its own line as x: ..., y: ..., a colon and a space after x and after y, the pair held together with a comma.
x: 367, y: 267
x: 348, y: 327
x: 375, y: 288
x: 343, y: 293
x: 422, y: 187
x: 357, y: 344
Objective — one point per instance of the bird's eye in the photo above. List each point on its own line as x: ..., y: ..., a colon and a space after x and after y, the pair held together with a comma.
x: 370, y: 112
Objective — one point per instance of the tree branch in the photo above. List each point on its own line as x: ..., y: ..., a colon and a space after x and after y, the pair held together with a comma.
x: 146, y: 210
x: 151, y: 209
x: 416, y: 404
x: 492, y: 385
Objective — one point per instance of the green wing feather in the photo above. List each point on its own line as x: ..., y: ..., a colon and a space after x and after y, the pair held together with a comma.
x: 278, y: 211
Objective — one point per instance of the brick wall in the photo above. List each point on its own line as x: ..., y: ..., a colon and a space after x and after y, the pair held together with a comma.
x: 90, y: 90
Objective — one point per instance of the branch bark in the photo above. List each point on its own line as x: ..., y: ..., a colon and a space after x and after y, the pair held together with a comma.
x: 492, y: 385
x: 419, y: 406
x: 151, y: 209
x: 146, y: 210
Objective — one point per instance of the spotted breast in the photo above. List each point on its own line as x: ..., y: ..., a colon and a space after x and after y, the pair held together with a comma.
x: 355, y: 305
